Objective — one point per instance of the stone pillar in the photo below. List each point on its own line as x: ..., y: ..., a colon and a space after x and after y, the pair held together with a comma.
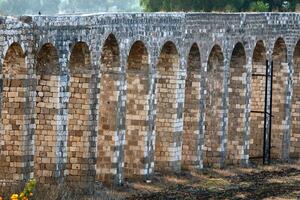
x: 200, y: 146
x: 225, y: 108
x: 121, y: 120
x: 93, y: 123
x: 180, y: 98
x: 169, y: 113
x: 286, y: 140
x: 149, y: 154
x: 29, y: 109
x: 62, y: 122
x: 246, y: 139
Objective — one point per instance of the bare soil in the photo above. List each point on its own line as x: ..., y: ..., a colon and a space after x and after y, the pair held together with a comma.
x: 279, y: 181
x: 276, y: 181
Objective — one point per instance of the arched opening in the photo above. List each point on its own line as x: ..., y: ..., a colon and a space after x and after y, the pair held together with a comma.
x: 190, y: 141
x: 168, y: 139
x: 214, y: 108
x: 79, y: 133
x: 280, y: 74
x: 13, y: 114
x: 258, y: 81
x: 295, y: 137
x: 110, y: 65
x: 237, y: 105
x: 136, y: 110
x: 47, y: 105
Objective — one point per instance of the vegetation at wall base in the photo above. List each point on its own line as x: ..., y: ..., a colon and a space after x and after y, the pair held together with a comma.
x: 26, y: 194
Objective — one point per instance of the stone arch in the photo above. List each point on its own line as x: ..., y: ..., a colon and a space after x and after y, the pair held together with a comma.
x: 80, y: 58
x: 138, y: 39
x: 47, y: 60
x: 190, y: 141
x: 46, y: 40
x: 295, y: 137
x: 136, y: 110
x: 47, y: 105
x: 110, y: 56
x: 258, y: 81
x: 280, y: 78
x: 214, y: 107
x: 168, y: 139
x: 110, y: 66
x: 79, y: 133
x: 237, y: 104
x: 13, y: 114
x: 14, y: 61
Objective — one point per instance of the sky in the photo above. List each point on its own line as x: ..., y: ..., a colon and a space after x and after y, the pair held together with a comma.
x: 48, y: 7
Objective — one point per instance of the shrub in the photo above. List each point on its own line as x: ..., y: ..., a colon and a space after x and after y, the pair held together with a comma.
x: 259, y: 6
x: 27, y: 192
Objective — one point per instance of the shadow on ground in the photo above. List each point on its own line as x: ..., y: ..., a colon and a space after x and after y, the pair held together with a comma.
x: 278, y: 181
x: 274, y: 182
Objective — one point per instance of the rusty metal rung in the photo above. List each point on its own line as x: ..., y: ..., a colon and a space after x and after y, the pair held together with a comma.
x: 262, y: 112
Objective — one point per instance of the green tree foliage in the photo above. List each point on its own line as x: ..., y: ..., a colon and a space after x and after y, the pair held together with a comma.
x: 218, y: 5
x: 49, y: 7
x: 259, y: 6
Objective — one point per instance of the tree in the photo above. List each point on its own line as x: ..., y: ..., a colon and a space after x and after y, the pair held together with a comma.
x: 152, y: 5
x: 259, y: 6
x: 218, y: 5
x: 281, y: 5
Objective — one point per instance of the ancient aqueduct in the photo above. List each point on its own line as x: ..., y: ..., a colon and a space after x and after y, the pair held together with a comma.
x: 110, y: 96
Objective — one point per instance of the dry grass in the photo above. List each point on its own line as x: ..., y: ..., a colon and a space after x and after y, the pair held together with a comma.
x: 281, y: 181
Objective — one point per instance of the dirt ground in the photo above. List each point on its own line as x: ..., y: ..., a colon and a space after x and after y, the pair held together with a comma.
x: 277, y: 181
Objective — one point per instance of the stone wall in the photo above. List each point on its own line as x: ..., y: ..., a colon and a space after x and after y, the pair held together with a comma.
x: 190, y: 151
x: 258, y: 83
x: 136, y: 110
x: 109, y: 97
x: 214, y: 107
x: 237, y: 104
x: 47, y: 105
x: 295, y: 137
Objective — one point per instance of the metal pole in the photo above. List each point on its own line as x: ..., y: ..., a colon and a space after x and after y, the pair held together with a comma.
x: 270, y: 116
x: 265, y: 114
